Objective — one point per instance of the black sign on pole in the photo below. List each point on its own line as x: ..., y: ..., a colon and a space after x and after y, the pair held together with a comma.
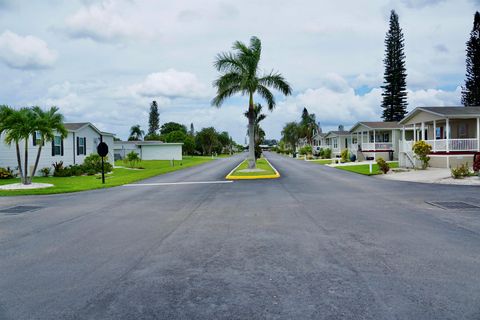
x: 102, y: 150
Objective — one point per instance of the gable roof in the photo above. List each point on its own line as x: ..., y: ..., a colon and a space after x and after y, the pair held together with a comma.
x: 447, y: 112
x: 378, y: 125
x: 338, y: 133
x: 75, y: 126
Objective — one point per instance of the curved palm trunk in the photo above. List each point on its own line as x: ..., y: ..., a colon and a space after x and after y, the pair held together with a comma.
x: 19, y: 162
x: 251, y: 135
x: 36, y: 161
x: 27, y: 179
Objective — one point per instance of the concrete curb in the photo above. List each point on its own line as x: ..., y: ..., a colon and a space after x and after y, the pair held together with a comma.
x: 270, y: 176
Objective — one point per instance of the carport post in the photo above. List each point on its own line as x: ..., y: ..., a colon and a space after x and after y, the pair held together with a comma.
x: 434, y: 135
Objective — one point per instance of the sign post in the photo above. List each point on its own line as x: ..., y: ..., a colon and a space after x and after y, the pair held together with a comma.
x: 102, y: 150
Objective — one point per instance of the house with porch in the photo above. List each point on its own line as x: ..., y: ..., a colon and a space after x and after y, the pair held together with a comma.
x: 337, y: 141
x: 374, y: 139
x: 453, y: 133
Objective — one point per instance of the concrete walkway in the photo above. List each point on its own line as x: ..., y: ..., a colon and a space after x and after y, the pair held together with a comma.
x: 431, y: 175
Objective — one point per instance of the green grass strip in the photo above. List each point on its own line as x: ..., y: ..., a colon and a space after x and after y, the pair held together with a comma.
x: 364, y: 168
x: 261, y: 164
x: 120, y: 176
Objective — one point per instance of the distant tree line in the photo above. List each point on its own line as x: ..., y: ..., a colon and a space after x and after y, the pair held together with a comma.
x: 207, y: 141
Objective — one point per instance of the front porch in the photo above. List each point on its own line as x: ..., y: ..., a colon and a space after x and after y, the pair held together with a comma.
x: 448, y: 136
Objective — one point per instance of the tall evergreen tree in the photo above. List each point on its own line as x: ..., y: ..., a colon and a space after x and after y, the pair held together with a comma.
x: 471, y: 90
x: 192, y: 129
x: 153, y: 119
x: 394, y: 94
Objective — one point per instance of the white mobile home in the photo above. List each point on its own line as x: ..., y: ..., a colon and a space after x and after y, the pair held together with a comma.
x: 373, y: 139
x: 453, y: 133
x: 149, y: 150
x: 82, y: 140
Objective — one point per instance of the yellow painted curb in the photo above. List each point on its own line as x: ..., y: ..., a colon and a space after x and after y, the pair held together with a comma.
x: 270, y: 176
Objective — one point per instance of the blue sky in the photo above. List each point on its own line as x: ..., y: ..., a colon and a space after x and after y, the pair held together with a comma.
x: 105, y: 61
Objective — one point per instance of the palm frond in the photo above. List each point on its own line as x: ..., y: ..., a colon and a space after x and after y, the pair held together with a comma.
x: 227, y: 61
x: 276, y: 81
x: 267, y: 95
x: 224, y: 94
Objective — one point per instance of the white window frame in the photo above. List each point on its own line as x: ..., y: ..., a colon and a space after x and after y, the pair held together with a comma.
x: 57, y: 144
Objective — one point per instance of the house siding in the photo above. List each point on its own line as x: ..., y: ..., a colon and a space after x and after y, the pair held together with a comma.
x: 8, y: 156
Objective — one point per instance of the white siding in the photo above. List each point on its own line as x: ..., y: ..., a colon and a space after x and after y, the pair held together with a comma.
x: 8, y: 154
x: 161, y: 152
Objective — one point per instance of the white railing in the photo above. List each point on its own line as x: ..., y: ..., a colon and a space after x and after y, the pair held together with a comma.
x: 377, y: 146
x: 441, y: 145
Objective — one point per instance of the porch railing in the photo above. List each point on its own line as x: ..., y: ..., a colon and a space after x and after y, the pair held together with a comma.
x: 453, y: 145
x: 440, y: 145
x: 377, y: 146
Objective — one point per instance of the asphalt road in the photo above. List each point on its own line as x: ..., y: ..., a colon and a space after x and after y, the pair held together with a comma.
x: 318, y: 243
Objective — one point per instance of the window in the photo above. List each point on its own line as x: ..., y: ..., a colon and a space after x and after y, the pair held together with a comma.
x: 462, y: 130
x: 37, y: 138
x: 81, y: 146
x: 57, y: 146
x: 386, y: 137
x: 335, y: 143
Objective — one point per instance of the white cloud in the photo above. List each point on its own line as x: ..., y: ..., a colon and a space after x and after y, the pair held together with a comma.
x: 27, y: 52
x: 418, y: 4
x: 171, y: 84
x: 102, y: 22
x: 434, y: 97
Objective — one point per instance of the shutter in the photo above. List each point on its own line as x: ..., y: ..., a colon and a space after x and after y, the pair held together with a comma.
x: 34, y: 139
x: 84, y: 146
x: 61, y: 148
x: 78, y: 146
x: 53, y: 147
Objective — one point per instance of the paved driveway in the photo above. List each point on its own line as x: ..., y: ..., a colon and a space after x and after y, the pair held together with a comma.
x: 318, y: 243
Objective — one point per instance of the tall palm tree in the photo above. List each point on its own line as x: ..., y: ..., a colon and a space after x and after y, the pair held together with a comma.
x: 136, y: 133
x: 6, y: 114
x: 19, y: 125
x: 47, y: 123
x: 240, y: 74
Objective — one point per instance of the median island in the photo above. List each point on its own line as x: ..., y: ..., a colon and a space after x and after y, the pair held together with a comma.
x: 263, y: 170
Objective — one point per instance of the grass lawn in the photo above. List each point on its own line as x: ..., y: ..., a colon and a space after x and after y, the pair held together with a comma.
x: 364, y: 168
x: 322, y: 161
x: 261, y: 164
x: 118, y: 177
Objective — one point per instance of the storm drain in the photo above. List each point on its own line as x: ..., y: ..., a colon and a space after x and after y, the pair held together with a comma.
x: 19, y: 209
x: 448, y: 205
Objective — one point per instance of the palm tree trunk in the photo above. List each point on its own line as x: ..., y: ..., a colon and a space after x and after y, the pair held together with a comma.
x: 19, y: 162
x: 251, y: 135
x: 27, y: 179
x: 36, y: 161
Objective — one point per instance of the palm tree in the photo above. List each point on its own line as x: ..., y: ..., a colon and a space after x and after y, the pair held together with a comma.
x: 239, y: 74
x: 18, y: 125
x: 291, y: 133
x: 6, y: 114
x: 47, y: 123
x: 258, y: 117
x: 136, y: 133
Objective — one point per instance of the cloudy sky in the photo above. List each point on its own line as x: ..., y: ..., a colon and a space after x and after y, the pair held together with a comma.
x: 105, y: 61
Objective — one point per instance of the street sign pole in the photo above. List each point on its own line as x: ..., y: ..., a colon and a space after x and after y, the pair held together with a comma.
x: 102, y: 150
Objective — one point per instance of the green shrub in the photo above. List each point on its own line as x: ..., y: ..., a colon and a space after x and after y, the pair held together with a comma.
x: 132, y: 159
x: 383, y: 165
x: 344, y: 155
x: 93, y: 162
x: 6, y: 173
x: 45, y: 171
x: 326, y: 153
x: 460, y: 172
x: 305, y: 150
x: 422, y: 150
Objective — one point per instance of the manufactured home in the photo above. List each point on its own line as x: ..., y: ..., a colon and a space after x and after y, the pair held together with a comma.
x: 82, y: 140
x: 453, y: 133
